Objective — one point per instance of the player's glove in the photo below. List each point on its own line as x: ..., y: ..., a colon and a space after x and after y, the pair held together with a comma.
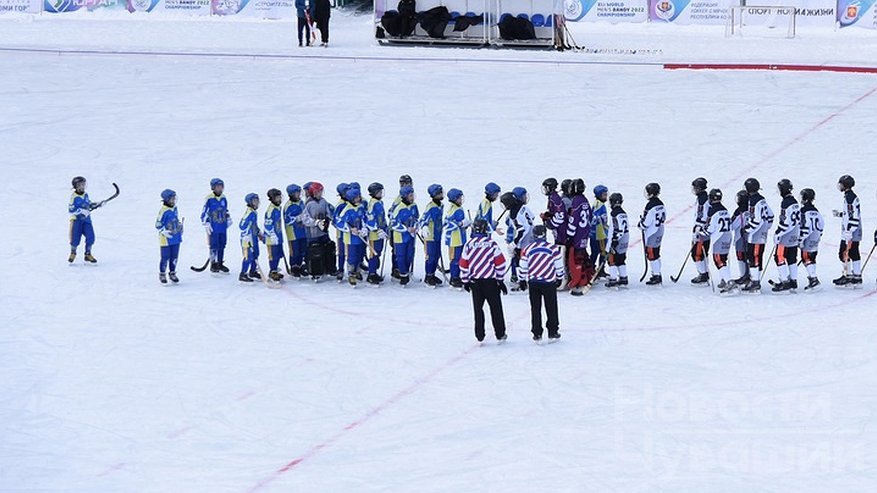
x: 83, y: 212
x: 467, y: 286
x: 846, y: 236
x: 382, y: 234
x: 502, y: 287
x: 522, y: 285
x: 423, y: 232
x: 465, y: 223
x: 558, y: 283
x: 272, y: 236
x: 836, y: 213
x: 208, y: 227
x: 165, y: 232
x: 323, y: 224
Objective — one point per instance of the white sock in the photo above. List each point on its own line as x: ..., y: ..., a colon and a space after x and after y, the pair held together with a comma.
x: 622, y: 269
x: 793, y: 272
x: 754, y: 273
x: 725, y: 273
x: 811, y: 270
x: 743, y: 266
x: 656, y: 267
x: 784, y: 271
x: 613, y: 272
x: 857, y: 267
x: 701, y: 266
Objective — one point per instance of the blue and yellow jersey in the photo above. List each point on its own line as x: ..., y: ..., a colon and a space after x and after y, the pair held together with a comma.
x: 169, y: 220
x: 354, y: 217
x: 599, y: 220
x: 406, y: 216
x: 432, y: 220
x: 215, y: 212
x: 79, y: 203
x: 376, y: 219
x: 292, y: 211
x: 485, y: 211
x: 455, y: 233
x: 273, y: 224
x: 337, y: 214
x: 391, y: 212
x: 249, y: 227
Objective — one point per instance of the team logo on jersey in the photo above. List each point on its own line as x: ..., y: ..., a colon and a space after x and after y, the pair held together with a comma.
x: 665, y: 10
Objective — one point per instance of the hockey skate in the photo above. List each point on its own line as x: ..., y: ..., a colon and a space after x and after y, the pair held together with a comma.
x: 701, y: 280
x: 72, y: 257
x: 754, y: 287
x: 782, y: 287
x: 162, y: 278
x: 244, y: 278
x: 655, y: 280
x: 173, y: 277
x: 727, y: 288
x: 373, y: 280
x: 89, y: 258
x: 812, y: 285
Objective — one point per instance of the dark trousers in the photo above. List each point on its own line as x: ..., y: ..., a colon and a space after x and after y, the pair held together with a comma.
x: 547, y: 292
x: 169, y: 256
x: 303, y: 26
x: 487, y: 290
x: 323, y: 26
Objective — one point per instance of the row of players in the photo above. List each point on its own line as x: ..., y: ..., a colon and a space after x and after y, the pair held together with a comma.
x: 363, y: 229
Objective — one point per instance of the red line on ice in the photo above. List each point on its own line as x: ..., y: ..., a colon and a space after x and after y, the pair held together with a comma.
x: 375, y: 411
x: 770, y: 66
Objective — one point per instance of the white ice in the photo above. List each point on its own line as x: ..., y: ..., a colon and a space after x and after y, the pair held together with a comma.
x: 111, y: 383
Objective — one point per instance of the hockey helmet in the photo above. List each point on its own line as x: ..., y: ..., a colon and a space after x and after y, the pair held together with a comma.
x: 293, y: 189
x: 435, y: 190
x: 405, y: 180
x: 577, y: 187
x: 273, y: 194
x: 252, y: 200
x: 216, y: 182
x: 751, y: 185
x: 652, y: 190
x: 549, y: 186
x: 808, y: 195
x: 455, y: 195
x: 565, y: 185
x: 540, y: 231
x: 599, y: 190
x: 698, y: 185
x: 492, y: 190
x: 715, y: 195
x: 352, y: 194
x: 845, y: 183
x: 375, y: 188
x: 784, y: 186
x: 341, y: 189
x: 77, y: 181
x: 615, y: 199
x: 742, y: 198
x: 167, y: 194
x: 479, y: 226
x: 520, y: 194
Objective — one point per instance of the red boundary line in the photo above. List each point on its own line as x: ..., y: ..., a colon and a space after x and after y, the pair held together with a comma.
x: 770, y: 66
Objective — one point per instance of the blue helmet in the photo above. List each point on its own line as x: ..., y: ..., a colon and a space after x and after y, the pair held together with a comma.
x: 293, y: 189
x: 167, y: 194
x: 352, y: 193
x: 250, y: 198
x: 520, y: 193
x: 354, y: 184
x: 492, y: 189
x: 455, y: 195
x: 406, y: 191
x: 599, y: 190
x: 342, y: 188
x: 434, y: 190
x: 216, y: 182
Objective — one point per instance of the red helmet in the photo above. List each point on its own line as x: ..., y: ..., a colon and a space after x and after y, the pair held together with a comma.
x: 314, y: 187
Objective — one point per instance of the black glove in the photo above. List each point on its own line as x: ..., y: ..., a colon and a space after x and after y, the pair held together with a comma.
x: 522, y: 285
x: 558, y: 283
x: 502, y: 287
x: 467, y: 286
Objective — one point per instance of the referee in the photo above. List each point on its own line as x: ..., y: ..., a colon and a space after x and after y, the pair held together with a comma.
x: 482, y: 268
x: 540, y: 269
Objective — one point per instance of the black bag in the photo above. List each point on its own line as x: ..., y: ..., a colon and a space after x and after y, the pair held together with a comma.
x: 463, y: 22
x: 315, y: 261
x: 434, y: 21
x: 330, y: 260
x: 514, y: 28
x: 402, y: 22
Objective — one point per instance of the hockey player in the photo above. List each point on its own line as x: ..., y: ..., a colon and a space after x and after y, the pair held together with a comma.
x: 786, y: 239
x: 355, y: 233
x: 599, y: 225
x: 652, y: 225
x: 274, y: 234
x: 554, y: 217
x: 482, y: 268
x: 519, y: 227
x: 812, y: 225
x: 717, y: 232
x: 376, y: 223
x: 216, y: 221
x: 316, y: 218
x: 430, y: 231
x: 738, y: 227
x: 565, y: 195
x: 455, y: 227
x: 80, y: 208
x: 541, y: 271
x: 700, y: 242
x: 485, y: 209
x: 250, y: 237
x: 578, y: 234
x: 404, y: 181
x: 760, y: 219
x: 851, y: 235
x: 170, y: 235
x: 404, y: 231
x: 337, y: 216
x: 618, y: 234
x: 296, y: 236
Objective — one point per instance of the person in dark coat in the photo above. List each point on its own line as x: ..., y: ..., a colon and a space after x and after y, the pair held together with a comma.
x: 321, y: 11
x: 304, y: 26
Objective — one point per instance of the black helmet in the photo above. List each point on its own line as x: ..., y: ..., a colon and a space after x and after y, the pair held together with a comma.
x: 784, y: 186
x: 549, y: 185
x: 808, y: 195
x: 577, y: 187
x: 405, y: 180
x: 845, y: 183
x: 715, y: 195
x: 699, y: 184
x: 479, y: 226
x: 540, y: 231
x: 653, y: 190
x: 751, y: 185
x: 508, y: 200
x: 375, y: 188
x: 615, y: 199
x: 564, y: 186
x: 78, y: 180
x: 274, y: 193
x: 742, y: 198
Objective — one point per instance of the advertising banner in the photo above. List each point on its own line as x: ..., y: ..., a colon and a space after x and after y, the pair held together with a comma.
x: 613, y: 11
x: 691, y: 11
x: 263, y: 9
x: 857, y: 13
x: 171, y: 7
x: 20, y: 6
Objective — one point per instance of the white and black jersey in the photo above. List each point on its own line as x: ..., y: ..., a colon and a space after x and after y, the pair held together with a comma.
x: 718, y: 229
x: 652, y: 222
x: 789, y: 224
x: 812, y: 225
x: 851, y: 218
x: 701, y: 215
x: 760, y: 219
x: 617, y: 230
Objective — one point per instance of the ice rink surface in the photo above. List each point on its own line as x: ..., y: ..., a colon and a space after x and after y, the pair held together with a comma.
x: 111, y: 383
